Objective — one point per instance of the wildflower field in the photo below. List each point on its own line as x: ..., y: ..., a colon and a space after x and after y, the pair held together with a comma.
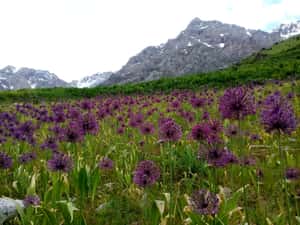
x: 186, y: 157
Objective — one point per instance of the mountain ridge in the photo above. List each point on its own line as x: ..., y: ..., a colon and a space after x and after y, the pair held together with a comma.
x: 202, y: 47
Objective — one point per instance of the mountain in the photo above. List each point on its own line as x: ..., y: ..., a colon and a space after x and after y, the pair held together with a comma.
x: 91, y: 81
x: 288, y: 30
x: 203, y: 46
x: 13, y: 79
x: 280, y: 62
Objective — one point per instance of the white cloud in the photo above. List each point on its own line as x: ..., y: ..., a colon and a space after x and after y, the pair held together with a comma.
x: 74, y: 38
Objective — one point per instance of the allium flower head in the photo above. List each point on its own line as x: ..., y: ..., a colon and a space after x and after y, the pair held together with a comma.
x: 208, y: 131
x: 5, y: 161
x: 31, y: 200
x: 204, y: 202
x: 217, y: 157
x: 136, y: 119
x: 89, y: 124
x: 197, y: 102
x: 292, y: 173
x: 278, y: 115
x: 170, y: 131
x: 86, y: 104
x: 60, y: 163
x: 146, y: 173
x: 175, y: 104
x: 205, y: 115
x: 106, y: 164
x: 200, y: 132
x: 236, y: 103
x: 49, y: 143
x: 147, y: 128
x: 27, y: 157
x: 231, y: 130
x: 74, y: 132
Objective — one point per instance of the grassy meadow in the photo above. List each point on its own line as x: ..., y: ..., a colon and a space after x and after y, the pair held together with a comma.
x: 185, y: 157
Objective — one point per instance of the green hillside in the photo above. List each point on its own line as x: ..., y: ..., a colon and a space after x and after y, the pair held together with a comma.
x: 282, y: 61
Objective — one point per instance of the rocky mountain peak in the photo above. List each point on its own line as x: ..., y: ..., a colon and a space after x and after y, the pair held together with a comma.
x: 12, y: 79
x: 8, y: 70
x: 91, y: 81
x: 288, y: 30
x: 202, y: 47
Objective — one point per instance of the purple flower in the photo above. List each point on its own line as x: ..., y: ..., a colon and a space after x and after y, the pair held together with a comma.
x: 25, y: 132
x: 27, y: 157
x: 136, y: 119
x: 204, y: 202
x: 31, y: 200
x: 60, y: 163
x: 248, y: 161
x: 106, y: 164
x: 255, y: 137
x: 121, y: 130
x: 231, y: 130
x: 208, y: 131
x: 50, y: 143
x: 73, y: 133
x: 89, y: 124
x: 5, y: 161
x: 200, y: 132
x: 198, y: 102
x: 74, y: 113
x: 147, y: 128
x: 237, y: 103
x: 278, y: 115
x: 205, y: 115
x: 146, y: 173
x: 170, y: 131
x: 86, y: 104
x: 292, y: 173
x: 175, y: 104
x: 217, y: 157
x: 290, y: 95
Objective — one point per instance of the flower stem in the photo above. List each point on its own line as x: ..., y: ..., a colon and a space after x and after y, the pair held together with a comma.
x: 283, y: 163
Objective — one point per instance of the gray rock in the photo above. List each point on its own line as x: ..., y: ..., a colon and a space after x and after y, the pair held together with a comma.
x: 8, y: 208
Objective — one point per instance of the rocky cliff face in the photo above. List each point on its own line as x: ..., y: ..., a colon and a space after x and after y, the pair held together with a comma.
x: 202, y: 47
x: 12, y: 79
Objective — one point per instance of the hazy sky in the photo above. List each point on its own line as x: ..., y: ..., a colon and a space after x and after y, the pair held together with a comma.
x: 75, y: 38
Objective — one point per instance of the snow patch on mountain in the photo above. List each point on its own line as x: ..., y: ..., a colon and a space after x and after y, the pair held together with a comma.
x: 91, y: 81
x: 288, y: 30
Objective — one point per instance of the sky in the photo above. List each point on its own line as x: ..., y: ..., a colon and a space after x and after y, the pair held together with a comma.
x: 76, y: 38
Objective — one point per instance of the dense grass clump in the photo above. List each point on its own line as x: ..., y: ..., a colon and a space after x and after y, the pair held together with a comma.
x: 185, y: 157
